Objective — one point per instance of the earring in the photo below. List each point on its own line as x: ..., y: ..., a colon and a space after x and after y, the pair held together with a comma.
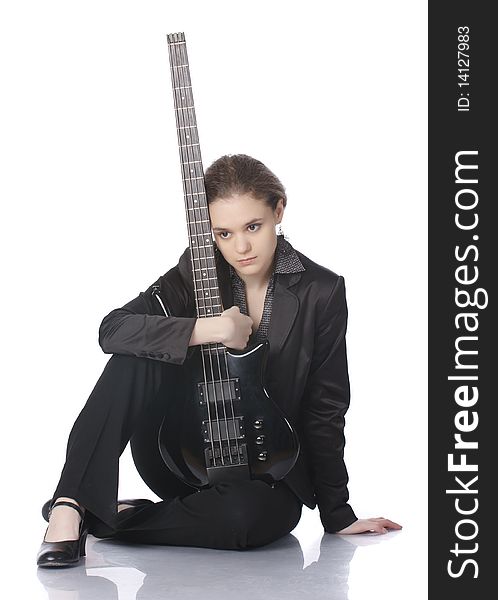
x: 280, y: 230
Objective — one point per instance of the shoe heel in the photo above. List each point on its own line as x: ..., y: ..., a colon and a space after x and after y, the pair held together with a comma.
x: 83, y: 543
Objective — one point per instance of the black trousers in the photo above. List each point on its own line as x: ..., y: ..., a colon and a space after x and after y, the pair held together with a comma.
x: 229, y: 515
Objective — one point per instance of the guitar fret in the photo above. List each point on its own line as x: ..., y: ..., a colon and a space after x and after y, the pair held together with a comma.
x: 194, y: 194
x: 191, y: 162
x: 218, y: 345
x: 190, y: 178
x: 184, y: 107
x: 186, y: 127
x: 182, y: 87
x: 206, y: 278
x: 188, y: 145
x: 178, y: 66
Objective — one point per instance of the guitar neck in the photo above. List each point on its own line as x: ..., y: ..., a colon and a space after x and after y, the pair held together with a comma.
x: 206, y: 287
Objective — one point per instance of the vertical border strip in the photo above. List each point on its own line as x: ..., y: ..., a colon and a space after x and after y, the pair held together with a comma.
x: 462, y: 296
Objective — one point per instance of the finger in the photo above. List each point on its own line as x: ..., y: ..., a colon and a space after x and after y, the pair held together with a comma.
x: 391, y: 524
x: 386, y: 522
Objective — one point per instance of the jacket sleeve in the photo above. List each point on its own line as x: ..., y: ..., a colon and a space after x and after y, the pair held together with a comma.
x: 326, y: 401
x: 140, y: 327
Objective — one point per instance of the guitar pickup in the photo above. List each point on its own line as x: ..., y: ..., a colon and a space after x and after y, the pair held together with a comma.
x: 223, y: 429
x: 221, y: 391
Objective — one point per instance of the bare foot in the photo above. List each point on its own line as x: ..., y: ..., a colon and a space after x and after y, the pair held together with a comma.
x: 64, y: 523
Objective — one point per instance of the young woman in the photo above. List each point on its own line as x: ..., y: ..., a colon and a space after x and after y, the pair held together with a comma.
x: 272, y: 292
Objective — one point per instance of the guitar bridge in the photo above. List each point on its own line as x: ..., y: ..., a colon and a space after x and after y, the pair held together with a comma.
x: 226, y: 455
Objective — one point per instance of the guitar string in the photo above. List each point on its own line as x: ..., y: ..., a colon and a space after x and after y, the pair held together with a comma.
x: 201, y: 189
x: 186, y: 119
x: 191, y: 155
x: 175, y: 62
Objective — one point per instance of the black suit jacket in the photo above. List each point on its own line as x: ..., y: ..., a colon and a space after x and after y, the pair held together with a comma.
x: 306, y: 374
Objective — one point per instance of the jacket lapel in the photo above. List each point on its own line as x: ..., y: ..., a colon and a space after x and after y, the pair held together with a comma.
x: 282, y: 319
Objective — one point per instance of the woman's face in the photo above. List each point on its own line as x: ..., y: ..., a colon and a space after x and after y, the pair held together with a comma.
x: 244, y: 227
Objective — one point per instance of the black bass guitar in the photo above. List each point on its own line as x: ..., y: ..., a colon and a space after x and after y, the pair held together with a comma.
x: 219, y: 423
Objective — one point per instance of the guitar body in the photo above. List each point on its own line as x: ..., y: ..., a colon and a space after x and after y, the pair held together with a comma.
x: 224, y: 428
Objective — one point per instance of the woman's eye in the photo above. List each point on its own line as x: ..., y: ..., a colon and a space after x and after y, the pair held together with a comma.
x: 224, y: 234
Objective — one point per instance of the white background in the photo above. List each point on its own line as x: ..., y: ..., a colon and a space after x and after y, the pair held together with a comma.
x: 332, y: 97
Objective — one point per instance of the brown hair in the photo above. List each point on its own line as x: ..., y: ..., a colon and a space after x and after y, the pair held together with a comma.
x: 242, y: 174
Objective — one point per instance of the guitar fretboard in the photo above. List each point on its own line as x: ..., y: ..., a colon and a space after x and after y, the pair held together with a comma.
x: 206, y: 287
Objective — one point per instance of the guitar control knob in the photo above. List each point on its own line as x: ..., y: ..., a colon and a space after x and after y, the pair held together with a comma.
x: 258, y: 424
x: 262, y: 455
x: 260, y: 439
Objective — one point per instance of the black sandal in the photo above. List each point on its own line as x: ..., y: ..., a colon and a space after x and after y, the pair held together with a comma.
x: 66, y: 552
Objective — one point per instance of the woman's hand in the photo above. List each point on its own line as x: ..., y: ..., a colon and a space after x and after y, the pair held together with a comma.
x: 238, y: 328
x: 231, y: 328
x: 375, y: 524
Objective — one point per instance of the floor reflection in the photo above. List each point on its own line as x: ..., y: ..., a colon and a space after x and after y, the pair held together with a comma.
x: 114, y: 570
